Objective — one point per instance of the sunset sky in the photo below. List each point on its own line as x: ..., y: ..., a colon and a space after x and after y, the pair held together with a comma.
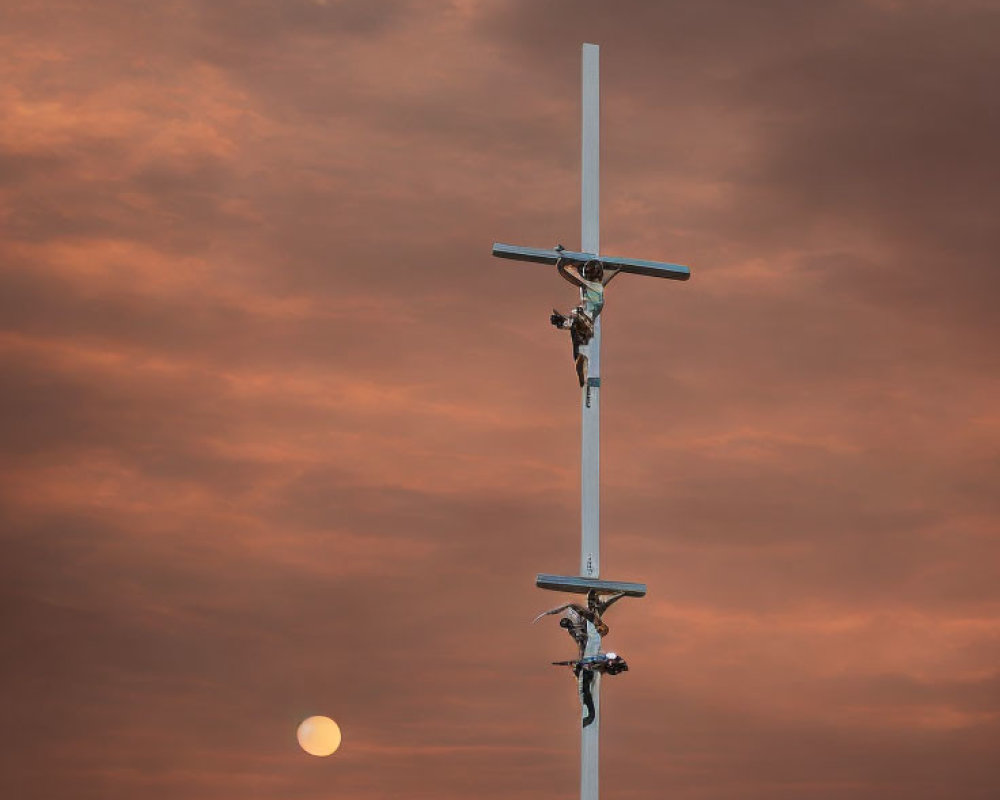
x: 280, y: 438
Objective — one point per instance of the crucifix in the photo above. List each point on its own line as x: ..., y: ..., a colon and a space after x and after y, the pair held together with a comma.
x: 591, y: 271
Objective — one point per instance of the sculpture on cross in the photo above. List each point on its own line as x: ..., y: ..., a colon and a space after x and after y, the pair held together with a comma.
x: 576, y: 620
x: 580, y: 321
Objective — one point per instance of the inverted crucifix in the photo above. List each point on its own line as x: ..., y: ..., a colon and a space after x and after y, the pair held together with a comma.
x: 591, y: 272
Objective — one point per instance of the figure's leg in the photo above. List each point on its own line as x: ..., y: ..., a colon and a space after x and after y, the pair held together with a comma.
x: 583, y: 332
x: 570, y: 322
x: 579, y: 359
x: 586, y: 680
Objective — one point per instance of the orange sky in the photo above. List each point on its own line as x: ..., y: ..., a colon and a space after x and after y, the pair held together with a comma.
x: 281, y: 438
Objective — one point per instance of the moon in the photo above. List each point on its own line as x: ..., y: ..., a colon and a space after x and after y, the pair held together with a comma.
x: 319, y: 736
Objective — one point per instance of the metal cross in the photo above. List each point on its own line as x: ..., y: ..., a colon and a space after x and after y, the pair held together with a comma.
x: 590, y: 557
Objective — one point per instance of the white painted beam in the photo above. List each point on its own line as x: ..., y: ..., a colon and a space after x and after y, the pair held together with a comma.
x: 590, y: 456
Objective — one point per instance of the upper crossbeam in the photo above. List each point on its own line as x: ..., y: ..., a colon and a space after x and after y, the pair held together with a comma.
x: 635, y: 266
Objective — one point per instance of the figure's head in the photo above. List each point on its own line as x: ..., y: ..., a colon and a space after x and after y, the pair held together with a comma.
x: 593, y: 270
x: 602, y: 628
x: 564, y: 623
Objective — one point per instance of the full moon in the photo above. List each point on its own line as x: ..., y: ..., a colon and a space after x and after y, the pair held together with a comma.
x: 319, y: 736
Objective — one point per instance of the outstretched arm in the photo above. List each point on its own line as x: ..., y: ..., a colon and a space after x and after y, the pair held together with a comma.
x: 570, y: 273
x: 551, y: 611
x: 603, y: 605
x: 578, y: 609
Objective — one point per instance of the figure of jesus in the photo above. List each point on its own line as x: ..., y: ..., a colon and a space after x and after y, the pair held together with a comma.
x: 580, y: 321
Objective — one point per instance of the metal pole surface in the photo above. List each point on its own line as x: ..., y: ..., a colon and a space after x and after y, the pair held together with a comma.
x: 590, y: 500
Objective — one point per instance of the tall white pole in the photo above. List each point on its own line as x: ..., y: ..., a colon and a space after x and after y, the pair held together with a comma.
x: 590, y: 456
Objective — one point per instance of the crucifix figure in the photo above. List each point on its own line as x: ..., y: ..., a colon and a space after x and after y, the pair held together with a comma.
x: 590, y: 271
x: 581, y: 320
